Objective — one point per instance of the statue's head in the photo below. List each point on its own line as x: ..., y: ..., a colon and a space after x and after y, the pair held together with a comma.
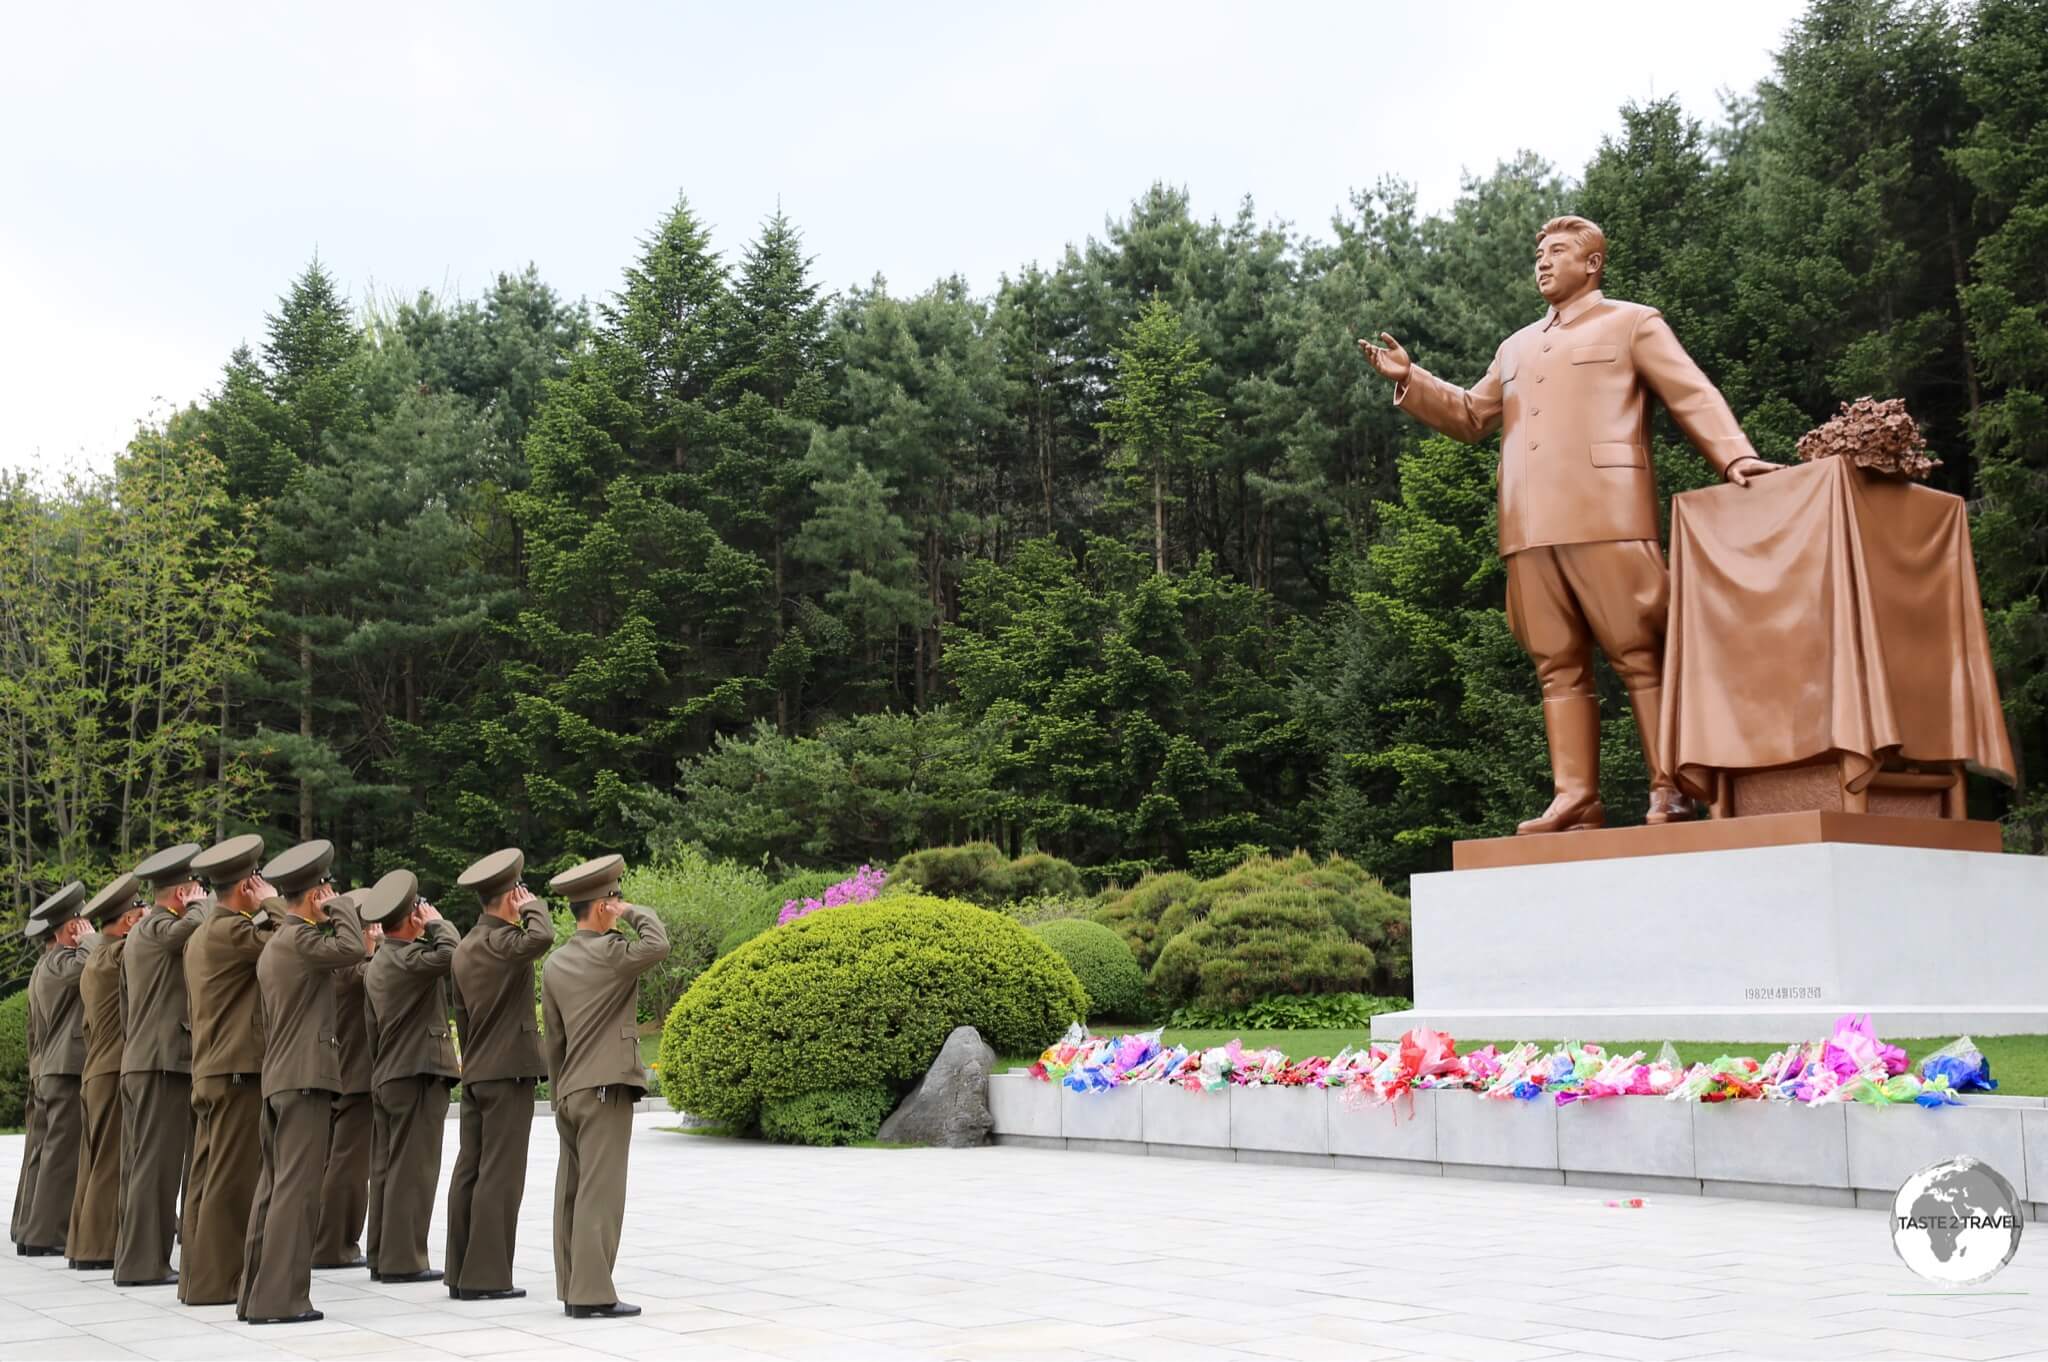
x: 1571, y: 257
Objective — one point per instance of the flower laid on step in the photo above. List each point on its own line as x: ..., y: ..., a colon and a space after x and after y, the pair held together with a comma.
x: 1850, y: 1065
x: 1871, y: 434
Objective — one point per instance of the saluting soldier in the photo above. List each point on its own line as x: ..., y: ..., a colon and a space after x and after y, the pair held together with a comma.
x: 412, y: 1066
x: 35, y: 929
x: 593, y: 1046
x: 227, y: 1064
x: 320, y: 936
x: 156, y: 1069
x: 60, y: 1028
x: 345, y: 1191
x: 501, y: 1062
x: 95, y: 1206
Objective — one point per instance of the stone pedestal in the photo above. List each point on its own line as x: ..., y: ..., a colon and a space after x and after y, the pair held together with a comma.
x: 1752, y: 944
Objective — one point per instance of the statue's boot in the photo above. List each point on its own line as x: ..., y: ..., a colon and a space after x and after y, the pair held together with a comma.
x: 1667, y: 803
x: 1572, y: 725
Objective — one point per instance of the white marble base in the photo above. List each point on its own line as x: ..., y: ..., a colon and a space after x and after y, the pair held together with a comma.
x: 1827, y: 1155
x: 1755, y: 945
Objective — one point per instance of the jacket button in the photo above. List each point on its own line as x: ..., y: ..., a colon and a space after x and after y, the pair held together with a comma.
x: 1539, y: 378
x: 1533, y: 444
x: 1546, y: 349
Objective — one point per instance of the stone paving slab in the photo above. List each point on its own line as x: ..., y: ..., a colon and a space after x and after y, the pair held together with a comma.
x: 740, y: 1250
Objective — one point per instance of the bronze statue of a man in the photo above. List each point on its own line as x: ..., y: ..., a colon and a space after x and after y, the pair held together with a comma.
x: 1578, y: 498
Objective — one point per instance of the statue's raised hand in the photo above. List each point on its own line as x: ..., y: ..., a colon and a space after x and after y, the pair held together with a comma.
x: 1390, y: 359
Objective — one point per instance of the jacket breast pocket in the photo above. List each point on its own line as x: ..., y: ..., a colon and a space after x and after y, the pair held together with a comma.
x: 1594, y: 354
x: 1619, y: 456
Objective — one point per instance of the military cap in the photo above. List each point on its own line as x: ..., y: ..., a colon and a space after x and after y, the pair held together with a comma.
x: 494, y: 874
x: 172, y: 865
x: 114, y: 900
x: 33, y: 928
x: 61, y: 906
x: 388, y: 900
x: 230, y: 862
x: 591, y: 880
x: 301, y: 867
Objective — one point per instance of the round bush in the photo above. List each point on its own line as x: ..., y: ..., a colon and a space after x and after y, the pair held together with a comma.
x: 1255, y: 945
x: 1103, y: 964
x: 827, y: 1116
x: 14, y: 1058
x: 864, y: 994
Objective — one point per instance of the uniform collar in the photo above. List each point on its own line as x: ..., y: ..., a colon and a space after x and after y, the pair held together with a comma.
x: 1575, y: 309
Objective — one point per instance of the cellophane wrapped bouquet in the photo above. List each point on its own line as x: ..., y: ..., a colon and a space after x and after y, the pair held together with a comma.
x: 1851, y: 1064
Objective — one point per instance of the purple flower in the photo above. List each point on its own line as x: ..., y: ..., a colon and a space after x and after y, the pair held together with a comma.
x: 863, y: 885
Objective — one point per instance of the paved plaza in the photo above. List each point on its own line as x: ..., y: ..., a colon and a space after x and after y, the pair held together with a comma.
x: 744, y: 1250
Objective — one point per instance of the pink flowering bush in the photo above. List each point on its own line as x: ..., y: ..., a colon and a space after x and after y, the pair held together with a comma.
x: 862, y: 885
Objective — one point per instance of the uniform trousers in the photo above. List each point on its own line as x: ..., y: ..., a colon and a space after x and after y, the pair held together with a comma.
x: 1564, y: 598
x: 156, y: 1145
x: 415, y: 1111
x: 33, y: 1118
x: 227, y: 1132
x: 595, y: 1129
x: 488, y: 1184
x: 380, y: 1137
x: 95, y: 1207
x: 48, y: 1217
x: 345, y: 1191
x: 277, y: 1257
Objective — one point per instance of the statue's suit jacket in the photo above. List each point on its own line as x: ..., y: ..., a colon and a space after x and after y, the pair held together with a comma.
x: 1570, y: 394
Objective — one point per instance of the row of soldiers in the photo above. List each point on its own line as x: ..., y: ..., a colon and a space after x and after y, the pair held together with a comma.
x: 244, y: 1060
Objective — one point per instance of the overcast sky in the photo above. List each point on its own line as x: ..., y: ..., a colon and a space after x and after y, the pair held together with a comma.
x: 166, y: 169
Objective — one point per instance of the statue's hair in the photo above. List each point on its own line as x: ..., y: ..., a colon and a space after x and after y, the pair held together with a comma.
x: 1582, y: 230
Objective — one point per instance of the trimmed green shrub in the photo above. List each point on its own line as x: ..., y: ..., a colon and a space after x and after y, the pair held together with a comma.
x: 1135, y: 913
x: 979, y: 873
x: 827, y: 1116
x: 14, y: 1058
x: 1268, y: 941
x: 863, y: 994
x: 1040, y: 875
x: 1103, y: 964
x: 1360, y: 905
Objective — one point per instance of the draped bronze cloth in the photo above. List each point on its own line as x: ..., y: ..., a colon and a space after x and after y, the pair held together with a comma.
x: 1826, y: 611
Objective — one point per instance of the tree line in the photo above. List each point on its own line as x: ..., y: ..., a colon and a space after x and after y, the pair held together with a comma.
x: 1130, y: 560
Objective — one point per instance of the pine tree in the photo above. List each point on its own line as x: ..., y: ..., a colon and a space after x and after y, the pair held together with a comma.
x: 1159, y: 418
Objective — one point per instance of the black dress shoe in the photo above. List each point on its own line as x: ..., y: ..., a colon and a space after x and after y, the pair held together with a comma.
x: 171, y: 1280
x: 31, y: 1251
x: 430, y: 1274
x: 306, y: 1317
x: 616, y: 1310
x: 358, y: 1261
x: 463, y: 1293
x: 92, y: 1264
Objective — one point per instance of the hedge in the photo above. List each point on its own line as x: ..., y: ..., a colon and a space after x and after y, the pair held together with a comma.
x: 14, y: 1058
x: 861, y: 996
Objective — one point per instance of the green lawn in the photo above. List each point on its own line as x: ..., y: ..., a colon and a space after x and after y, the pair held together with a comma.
x: 2019, y: 1063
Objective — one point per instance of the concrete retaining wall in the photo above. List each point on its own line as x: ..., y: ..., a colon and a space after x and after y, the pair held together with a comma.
x: 1840, y: 1155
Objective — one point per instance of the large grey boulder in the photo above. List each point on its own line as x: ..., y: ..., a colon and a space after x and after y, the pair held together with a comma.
x: 949, y: 1105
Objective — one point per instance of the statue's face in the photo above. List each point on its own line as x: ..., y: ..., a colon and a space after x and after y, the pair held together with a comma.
x: 1564, y: 268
